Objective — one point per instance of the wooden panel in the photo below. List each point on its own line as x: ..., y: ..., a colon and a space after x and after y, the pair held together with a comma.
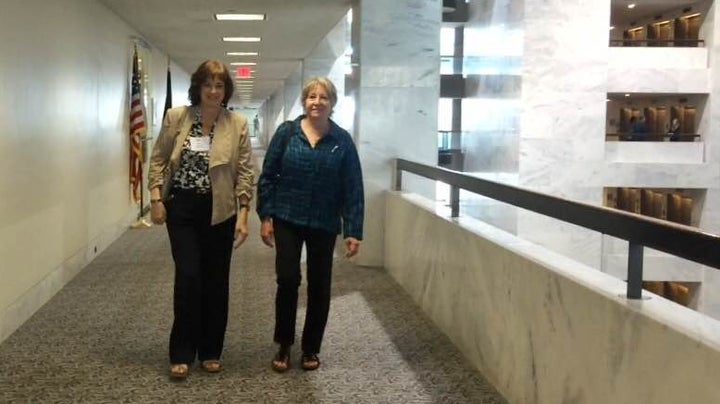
x: 686, y: 211
x: 646, y: 202
x: 650, y: 114
x: 611, y: 197
x: 674, y: 206
x: 657, y: 287
x: 677, y: 292
x: 660, y: 205
x: 688, y: 120
x: 635, y: 200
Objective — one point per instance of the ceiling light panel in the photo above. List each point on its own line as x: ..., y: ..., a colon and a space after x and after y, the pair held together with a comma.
x: 242, y: 53
x: 240, y: 17
x: 241, y: 39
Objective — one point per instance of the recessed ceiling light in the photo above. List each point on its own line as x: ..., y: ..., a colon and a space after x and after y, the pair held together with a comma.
x: 631, y: 5
x: 242, y: 53
x: 243, y: 64
x: 240, y: 17
x: 627, y: 95
x: 241, y: 39
x: 612, y: 27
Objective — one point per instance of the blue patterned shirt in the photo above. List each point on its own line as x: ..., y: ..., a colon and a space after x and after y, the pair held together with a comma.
x: 319, y: 187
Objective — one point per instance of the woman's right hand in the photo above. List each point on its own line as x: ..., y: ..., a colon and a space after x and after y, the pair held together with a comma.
x: 157, y: 212
x: 267, y: 232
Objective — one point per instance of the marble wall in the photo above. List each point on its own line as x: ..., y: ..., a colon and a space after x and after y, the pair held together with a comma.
x: 397, y: 47
x: 542, y: 327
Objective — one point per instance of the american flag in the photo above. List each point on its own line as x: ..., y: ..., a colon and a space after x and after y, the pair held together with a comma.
x: 137, y: 129
x: 168, y: 92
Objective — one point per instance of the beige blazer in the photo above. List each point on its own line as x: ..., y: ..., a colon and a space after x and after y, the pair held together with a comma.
x: 231, y: 163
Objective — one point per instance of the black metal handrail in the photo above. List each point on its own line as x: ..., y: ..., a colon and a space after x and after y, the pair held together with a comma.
x: 640, y: 231
x: 678, y: 43
x: 652, y: 136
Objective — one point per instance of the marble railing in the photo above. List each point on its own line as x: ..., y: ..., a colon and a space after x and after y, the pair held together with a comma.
x: 655, y: 152
x: 657, y: 58
x: 542, y: 327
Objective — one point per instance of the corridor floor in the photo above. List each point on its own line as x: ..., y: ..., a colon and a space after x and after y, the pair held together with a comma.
x: 103, y: 339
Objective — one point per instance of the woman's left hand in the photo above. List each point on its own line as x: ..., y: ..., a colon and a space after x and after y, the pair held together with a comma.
x: 352, y: 245
x: 241, y: 233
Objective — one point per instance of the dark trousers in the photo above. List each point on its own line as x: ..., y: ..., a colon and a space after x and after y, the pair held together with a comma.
x: 202, y: 256
x: 319, y: 244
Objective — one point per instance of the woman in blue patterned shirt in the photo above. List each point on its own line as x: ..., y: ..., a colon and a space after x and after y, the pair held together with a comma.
x: 310, y: 189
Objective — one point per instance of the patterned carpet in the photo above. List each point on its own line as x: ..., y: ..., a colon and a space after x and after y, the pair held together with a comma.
x: 103, y: 339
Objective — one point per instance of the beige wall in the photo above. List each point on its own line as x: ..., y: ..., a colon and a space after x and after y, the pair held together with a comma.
x: 64, y: 194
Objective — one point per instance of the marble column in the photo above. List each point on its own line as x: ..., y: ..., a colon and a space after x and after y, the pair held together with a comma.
x: 397, y: 78
x: 562, y: 137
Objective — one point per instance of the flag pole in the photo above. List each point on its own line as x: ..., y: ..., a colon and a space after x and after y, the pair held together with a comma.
x: 141, y: 223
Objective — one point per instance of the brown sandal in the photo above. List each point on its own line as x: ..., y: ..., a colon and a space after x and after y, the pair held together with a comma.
x: 281, y: 361
x: 310, y: 361
x: 211, y: 366
x: 179, y: 371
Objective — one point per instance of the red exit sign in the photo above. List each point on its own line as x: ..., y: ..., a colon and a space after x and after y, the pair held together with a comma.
x: 244, y: 72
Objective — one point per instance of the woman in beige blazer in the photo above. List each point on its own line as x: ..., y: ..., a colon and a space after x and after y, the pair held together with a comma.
x: 201, y: 184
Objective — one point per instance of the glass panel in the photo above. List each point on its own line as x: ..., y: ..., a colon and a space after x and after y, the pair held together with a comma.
x: 447, y: 41
x: 493, y: 50
x: 445, y: 111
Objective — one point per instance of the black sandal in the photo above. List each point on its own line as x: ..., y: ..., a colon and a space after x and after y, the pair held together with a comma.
x: 281, y: 361
x: 310, y: 361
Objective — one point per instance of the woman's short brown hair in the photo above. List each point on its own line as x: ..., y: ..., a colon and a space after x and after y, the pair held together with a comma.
x: 323, y: 82
x: 210, y: 70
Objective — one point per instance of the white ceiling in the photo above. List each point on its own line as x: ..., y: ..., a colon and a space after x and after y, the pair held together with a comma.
x: 188, y: 32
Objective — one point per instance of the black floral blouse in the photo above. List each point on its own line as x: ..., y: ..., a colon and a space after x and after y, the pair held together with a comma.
x: 193, y: 171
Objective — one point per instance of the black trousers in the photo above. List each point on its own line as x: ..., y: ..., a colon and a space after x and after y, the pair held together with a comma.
x: 202, y: 256
x: 320, y: 244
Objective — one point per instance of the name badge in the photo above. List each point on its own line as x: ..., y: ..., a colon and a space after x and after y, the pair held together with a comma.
x: 200, y: 144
